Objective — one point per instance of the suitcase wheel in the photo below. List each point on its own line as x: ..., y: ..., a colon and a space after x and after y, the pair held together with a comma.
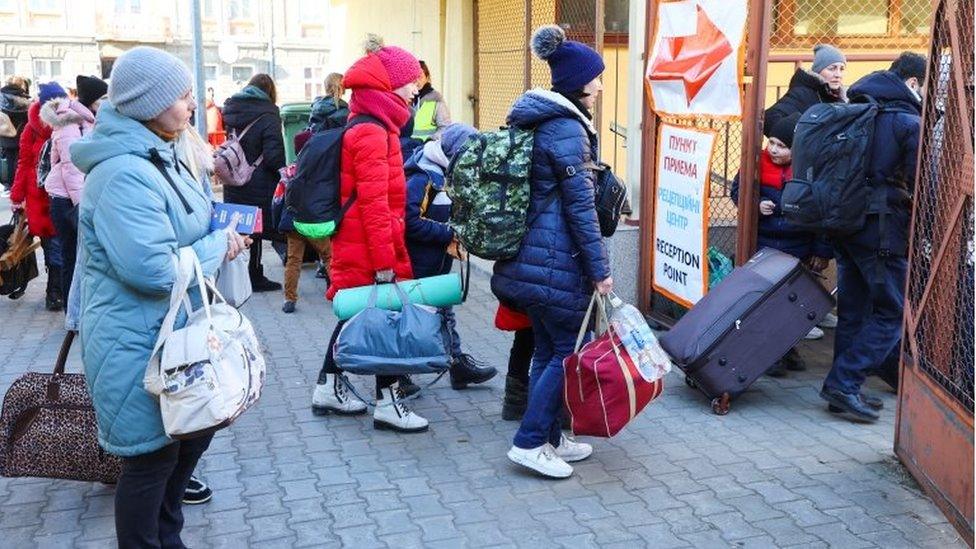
x: 690, y: 382
x: 720, y: 405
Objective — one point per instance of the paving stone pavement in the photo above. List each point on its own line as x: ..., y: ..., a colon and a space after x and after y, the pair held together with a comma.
x: 778, y: 471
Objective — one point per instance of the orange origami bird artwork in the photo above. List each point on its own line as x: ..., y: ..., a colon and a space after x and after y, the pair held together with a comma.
x: 692, y: 59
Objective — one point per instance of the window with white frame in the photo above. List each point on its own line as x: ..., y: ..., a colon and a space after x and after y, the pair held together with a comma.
x: 208, y: 9
x: 241, y: 9
x: 8, y: 6
x: 45, y: 6
x: 312, y: 11
x: 314, y: 84
x: 210, y: 73
x: 123, y: 7
x: 241, y: 73
x: 46, y: 70
x: 8, y: 68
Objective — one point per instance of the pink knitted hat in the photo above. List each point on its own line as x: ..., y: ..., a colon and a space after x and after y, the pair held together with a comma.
x: 400, y: 65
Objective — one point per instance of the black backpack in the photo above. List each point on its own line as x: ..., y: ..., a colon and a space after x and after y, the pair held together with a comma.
x: 830, y: 192
x: 313, y: 194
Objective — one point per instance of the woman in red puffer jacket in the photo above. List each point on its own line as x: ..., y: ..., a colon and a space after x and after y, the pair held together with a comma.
x: 370, y: 244
x: 26, y: 195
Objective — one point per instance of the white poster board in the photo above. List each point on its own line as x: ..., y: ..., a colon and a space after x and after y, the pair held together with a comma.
x: 696, y: 62
x: 679, y: 253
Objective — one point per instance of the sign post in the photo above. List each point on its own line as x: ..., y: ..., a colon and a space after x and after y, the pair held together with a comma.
x: 680, y: 243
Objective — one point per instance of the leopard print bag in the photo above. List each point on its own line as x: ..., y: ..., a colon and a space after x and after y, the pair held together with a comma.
x: 48, y: 429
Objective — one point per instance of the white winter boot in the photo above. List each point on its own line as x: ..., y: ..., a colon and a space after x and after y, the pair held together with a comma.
x: 392, y: 414
x: 333, y: 397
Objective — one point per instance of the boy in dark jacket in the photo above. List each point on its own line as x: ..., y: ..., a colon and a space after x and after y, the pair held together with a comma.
x: 872, y: 263
x: 823, y: 83
x: 774, y: 231
x: 431, y: 242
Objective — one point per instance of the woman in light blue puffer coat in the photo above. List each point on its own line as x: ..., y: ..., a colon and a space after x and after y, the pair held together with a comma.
x: 140, y: 205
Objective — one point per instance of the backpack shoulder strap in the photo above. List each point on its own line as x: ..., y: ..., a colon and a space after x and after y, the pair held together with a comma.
x: 355, y: 121
x: 156, y: 160
x: 253, y: 122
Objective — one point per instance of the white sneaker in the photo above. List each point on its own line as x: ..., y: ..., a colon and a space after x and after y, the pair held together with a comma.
x: 571, y: 451
x: 829, y: 321
x: 815, y: 333
x: 542, y: 460
x: 392, y: 414
x: 333, y: 397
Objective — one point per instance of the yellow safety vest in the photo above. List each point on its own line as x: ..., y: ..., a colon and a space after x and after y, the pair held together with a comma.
x: 425, y: 120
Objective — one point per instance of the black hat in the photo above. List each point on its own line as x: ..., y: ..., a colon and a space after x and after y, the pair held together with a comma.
x: 908, y: 65
x: 784, y: 128
x: 90, y: 89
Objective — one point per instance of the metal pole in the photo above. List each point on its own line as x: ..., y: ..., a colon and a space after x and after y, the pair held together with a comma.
x: 198, y: 83
x: 274, y: 66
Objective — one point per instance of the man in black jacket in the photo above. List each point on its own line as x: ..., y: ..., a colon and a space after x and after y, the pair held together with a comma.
x: 823, y: 83
x: 872, y: 264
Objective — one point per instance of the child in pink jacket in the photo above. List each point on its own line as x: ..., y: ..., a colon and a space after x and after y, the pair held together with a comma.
x: 71, y: 120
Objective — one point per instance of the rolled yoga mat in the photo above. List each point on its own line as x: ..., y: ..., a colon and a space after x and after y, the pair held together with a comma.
x: 436, y: 291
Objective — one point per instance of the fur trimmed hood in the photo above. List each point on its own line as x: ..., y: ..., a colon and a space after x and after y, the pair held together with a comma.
x: 61, y: 111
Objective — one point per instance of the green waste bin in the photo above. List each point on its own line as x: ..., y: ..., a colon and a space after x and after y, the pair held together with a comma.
x: 295, y: 118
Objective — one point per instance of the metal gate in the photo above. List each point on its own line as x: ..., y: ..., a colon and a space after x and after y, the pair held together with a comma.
x: 505, y: 65
x: 934, y: 434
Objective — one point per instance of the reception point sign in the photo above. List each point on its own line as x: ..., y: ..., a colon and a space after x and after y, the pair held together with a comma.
x: 679, y: 255
x: 695, y: 66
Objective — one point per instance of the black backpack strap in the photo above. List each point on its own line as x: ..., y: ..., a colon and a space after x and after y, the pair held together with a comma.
x: 156, y: 160
x: 352, y: 122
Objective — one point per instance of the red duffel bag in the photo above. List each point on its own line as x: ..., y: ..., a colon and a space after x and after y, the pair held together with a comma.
x: 604, y: 390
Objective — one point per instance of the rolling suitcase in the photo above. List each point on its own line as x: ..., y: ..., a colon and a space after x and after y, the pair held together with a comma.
x: 745, y: 324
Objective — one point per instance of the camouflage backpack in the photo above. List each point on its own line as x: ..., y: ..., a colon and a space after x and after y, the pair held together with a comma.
x: 488, y: 182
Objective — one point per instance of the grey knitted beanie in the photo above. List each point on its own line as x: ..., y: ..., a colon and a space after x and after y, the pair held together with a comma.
x: 146, y: 81
x: 825, y: 55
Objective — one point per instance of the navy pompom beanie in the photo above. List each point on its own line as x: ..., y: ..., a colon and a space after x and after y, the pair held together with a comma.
x: 573, y: 64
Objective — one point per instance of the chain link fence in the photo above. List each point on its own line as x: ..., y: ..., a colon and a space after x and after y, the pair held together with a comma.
x: 865, y: 24
x: 940, y: 285
x: 506, y: 66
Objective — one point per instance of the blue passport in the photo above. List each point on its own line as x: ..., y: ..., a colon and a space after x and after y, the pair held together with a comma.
x: 250, y: 222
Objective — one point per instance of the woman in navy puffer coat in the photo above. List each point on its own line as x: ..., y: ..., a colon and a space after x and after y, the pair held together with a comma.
x: 563, y: 255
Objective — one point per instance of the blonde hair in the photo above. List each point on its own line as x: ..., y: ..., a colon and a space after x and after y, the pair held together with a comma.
x: 333, y: 86
x: 197, y: 153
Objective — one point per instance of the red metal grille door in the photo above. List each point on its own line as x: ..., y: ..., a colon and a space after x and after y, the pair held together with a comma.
x: 934, y: 435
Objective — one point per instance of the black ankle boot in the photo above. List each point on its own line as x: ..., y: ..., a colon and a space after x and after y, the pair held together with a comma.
x: 466, y: 370
x: 516, y: 399
x: 53, y: 301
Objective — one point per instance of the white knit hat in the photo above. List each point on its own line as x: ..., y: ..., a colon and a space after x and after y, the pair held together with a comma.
x: 146, y: 81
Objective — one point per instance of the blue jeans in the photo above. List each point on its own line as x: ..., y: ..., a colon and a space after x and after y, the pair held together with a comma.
x: 449, y: 326
x: 52, y: 253
x: 554, y: 341
x: 64, y: 215
x: 869, y: 314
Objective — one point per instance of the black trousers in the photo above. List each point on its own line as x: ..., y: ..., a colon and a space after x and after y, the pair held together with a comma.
x: 148, y: 497
x: 329, y: 366
x: 520, y: 357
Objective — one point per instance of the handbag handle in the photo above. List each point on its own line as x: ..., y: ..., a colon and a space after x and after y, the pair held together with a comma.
x: 187, y: 264
x: 63, y: 353
x: 374, y: 293
x: 596, y: 301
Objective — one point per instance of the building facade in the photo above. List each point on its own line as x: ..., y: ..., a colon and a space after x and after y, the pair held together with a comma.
x: 57, y: 39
